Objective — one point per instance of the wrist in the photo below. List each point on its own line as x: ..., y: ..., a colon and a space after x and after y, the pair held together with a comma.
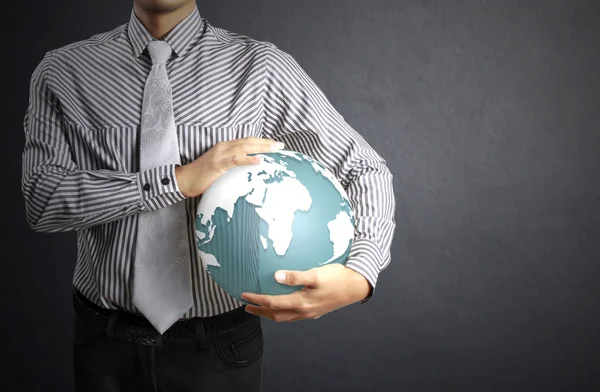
x: 181, y: 177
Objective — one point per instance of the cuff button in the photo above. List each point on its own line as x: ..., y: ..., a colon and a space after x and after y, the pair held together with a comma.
x: 147, y: 187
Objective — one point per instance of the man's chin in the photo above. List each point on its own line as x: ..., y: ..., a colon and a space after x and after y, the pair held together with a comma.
x: 161, y: 6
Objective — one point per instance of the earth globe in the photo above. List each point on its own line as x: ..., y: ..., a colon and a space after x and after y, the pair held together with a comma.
x: 288, y: 212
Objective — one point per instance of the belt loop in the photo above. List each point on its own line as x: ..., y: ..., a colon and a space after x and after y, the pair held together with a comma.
x: 201, y: 342
x: 110, y: 325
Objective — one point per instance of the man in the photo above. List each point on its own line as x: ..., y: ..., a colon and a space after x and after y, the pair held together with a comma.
x: 123, y: 133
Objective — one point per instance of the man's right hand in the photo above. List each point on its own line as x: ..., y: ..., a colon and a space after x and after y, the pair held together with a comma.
x: 194, y: 178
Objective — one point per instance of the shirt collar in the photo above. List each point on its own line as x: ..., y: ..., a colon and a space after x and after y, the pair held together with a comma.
x: 179, y: 37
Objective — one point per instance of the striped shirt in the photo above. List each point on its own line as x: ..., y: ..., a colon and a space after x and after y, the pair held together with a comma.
x: 81, y: 165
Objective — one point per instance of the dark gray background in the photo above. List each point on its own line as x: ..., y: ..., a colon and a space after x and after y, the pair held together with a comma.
x: 488, y: 115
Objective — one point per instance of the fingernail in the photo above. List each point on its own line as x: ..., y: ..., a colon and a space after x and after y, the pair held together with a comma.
x: 280, y: 276
x: 277, y: 146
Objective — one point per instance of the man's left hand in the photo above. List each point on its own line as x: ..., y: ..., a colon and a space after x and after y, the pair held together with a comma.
x: 326, y: 289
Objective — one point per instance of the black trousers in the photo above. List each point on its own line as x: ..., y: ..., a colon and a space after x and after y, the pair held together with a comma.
x: 116, y: 351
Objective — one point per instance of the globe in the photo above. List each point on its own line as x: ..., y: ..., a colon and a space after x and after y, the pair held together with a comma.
x: 288, y: 212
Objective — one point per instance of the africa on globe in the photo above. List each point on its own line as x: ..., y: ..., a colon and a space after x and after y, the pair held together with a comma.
x: 288, y: 212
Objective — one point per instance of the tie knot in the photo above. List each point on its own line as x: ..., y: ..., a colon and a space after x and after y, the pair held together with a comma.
x: 160, y: 51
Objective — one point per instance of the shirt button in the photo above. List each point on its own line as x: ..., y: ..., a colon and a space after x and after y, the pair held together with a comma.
x: 165, y: 181
x: 147, y: 187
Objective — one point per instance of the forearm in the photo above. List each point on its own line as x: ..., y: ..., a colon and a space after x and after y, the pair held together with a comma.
x: 372, y: 194
x: 59, y: 200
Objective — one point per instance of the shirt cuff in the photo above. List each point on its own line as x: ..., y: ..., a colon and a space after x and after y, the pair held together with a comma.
x: 158, y: 187
x: 365, y: 258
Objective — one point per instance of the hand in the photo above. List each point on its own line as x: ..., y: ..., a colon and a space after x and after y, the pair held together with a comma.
x: 327, y: 288
x: 194, y: 178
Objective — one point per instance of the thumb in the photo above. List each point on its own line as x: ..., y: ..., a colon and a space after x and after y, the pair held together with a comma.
x: 296, y: 278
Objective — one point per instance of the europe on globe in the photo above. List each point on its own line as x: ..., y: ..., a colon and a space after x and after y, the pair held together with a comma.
x: 288, y: 212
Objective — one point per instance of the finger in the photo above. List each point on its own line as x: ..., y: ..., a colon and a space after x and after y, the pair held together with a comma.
x: 293, y: 301
x: 239, y: 155
x: 253, y: 148
x: 275, y: 315
x: 297, y: 278
x: 230, y: 161
x: 249, y: 141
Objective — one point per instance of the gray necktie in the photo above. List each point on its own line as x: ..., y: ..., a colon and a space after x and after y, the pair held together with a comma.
x: 162, y: 271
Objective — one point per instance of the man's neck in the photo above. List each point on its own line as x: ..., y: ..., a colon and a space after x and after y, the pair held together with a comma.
x: 159, y: 24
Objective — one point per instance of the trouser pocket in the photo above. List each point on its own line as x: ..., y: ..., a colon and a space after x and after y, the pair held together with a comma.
x: 241, y: 346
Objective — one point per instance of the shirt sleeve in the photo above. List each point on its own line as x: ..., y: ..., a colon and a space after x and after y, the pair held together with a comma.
x: 298, y: 113
x: 61, y: 197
